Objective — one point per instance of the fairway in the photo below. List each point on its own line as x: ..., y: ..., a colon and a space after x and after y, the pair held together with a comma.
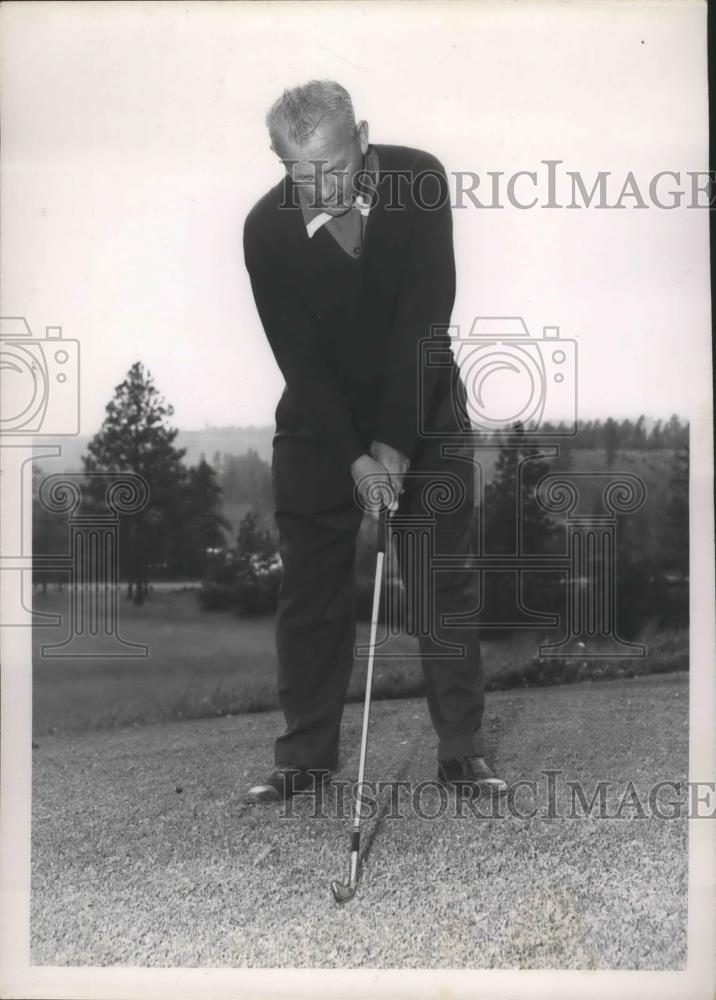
x: 200, y: 664
x: 143, y: 853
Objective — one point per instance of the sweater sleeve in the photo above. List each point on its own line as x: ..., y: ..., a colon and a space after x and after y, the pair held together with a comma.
x: 425, y: 299
x: 290, y: 330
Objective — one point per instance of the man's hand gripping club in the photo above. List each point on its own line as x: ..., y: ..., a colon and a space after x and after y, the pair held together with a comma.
x: 379, y: 477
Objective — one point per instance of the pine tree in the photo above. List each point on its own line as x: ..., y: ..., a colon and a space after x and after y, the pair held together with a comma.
x: 511, y: 506
x: 252, y: 540
x: 675, y: 538
x: 674, y: 436
x: 206, y: 501
x: 639, y: 442
x: 625, y: 434
x: 656, y: 438
x: 136, y: 437
x: 200, y: 523
x: 611, y: 442
x: 514, y: 521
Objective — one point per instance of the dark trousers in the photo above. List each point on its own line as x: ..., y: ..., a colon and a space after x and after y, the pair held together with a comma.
x: 318, y: 519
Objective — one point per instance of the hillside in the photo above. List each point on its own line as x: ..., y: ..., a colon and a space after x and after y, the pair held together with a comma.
x: 207, y: 441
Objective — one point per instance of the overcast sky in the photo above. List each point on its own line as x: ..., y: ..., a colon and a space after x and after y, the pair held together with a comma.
x: 134, y: 145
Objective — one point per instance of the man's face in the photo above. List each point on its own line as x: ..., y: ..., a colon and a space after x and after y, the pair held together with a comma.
x: 326, y: 167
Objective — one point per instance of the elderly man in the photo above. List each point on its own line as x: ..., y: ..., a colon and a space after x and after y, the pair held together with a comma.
x: 351, y: 264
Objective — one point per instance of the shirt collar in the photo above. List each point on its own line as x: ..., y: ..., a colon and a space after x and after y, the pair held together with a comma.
x: 314, y: 218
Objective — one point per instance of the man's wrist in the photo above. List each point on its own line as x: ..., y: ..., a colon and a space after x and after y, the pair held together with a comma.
x: 388, y: 453
x: 358, y: 466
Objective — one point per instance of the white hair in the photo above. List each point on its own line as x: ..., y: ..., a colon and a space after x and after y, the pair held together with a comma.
x: 299, y: 111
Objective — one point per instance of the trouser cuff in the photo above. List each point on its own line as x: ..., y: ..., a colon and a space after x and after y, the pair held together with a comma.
x: 286, y: 757
x: 469, y: 745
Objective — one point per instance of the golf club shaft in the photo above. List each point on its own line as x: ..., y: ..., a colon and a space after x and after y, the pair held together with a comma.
x: 369, y: 674
x: 355, y: 840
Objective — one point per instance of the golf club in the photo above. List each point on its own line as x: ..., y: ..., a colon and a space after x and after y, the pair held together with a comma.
x: 345, y: 891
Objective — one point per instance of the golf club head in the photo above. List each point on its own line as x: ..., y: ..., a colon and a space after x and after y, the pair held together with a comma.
x: 342, y: 893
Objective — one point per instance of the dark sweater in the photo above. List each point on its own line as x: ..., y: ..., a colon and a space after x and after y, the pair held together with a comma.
x: 345, y: 332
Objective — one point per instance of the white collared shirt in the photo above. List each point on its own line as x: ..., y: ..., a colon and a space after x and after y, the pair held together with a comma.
x: 347, y: 230
x: 360, y: 201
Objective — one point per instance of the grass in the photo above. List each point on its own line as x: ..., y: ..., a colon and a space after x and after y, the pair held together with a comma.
x: 213, y: 664
x: 143, y: 853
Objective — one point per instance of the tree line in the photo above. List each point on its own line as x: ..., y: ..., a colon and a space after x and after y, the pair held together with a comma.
x: 652, y: 559
x: 613, y: 435
x: 184, y: 532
